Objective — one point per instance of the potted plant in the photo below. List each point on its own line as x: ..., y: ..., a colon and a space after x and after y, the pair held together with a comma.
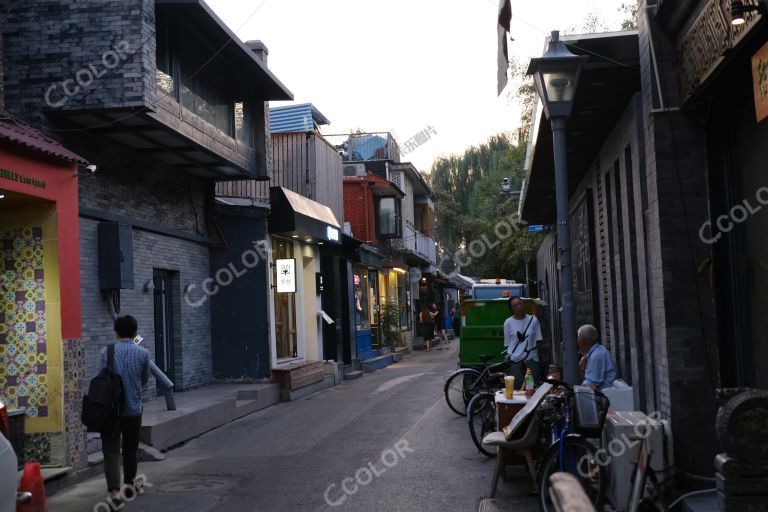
x: 389, y: 320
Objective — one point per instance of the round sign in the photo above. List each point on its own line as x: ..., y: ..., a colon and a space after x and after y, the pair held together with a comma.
x: 357, y: 279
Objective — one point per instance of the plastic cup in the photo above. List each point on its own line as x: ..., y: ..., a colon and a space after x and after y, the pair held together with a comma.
x: 509, y: 386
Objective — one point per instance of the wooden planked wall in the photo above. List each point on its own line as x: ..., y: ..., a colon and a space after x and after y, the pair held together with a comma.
x: 290, y: 153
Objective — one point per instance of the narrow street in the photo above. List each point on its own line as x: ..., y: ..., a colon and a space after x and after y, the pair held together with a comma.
x: 284, y: 458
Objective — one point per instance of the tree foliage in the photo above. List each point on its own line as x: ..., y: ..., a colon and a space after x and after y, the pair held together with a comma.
x: 630, y: 13
x: 469, y: 205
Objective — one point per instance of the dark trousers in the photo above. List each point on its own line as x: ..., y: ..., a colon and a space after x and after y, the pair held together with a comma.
x: 128, y: 429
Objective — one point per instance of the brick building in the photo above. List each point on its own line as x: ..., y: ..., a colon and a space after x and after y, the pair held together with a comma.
x: 142, y: 90
x: 667, y: 233
x: 635, y: 255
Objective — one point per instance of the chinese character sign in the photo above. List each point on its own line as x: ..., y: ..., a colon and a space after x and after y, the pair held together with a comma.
x: 286, y: 275
x: 760, y: 81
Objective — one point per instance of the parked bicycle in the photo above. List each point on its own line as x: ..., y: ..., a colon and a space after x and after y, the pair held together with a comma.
x: 571, y: 416
x: 481, y: 416
x: 465, y: 383
x: 646, y: 494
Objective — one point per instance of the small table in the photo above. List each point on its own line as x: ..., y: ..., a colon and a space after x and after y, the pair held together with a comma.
x: 506, y: 409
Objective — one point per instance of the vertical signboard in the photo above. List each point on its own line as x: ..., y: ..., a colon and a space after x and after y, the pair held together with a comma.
x: 286, y: 275
x: 760, y: 82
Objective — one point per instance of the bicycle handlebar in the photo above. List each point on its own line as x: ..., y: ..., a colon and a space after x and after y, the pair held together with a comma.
x: 568, y: 387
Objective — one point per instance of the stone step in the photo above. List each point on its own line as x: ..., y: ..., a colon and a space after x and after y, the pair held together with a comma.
x: 201, y: 410
x: 376, y: 363
x: 353, y: 374
x: 290, y: 395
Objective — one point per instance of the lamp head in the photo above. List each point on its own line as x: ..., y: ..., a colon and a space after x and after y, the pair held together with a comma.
x: 739, y: 9
x: 556, y: 74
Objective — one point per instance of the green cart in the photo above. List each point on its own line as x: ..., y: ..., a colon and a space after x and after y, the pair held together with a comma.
x: 482, y: 328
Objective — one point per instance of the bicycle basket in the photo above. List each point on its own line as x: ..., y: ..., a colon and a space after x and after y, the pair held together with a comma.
x: 590, y: 411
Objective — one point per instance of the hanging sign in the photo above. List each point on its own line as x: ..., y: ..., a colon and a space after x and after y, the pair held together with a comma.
x: 760, y: 82
x: 286, y: 275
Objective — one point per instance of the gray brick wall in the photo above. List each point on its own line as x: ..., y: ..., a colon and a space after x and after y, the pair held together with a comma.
x: 682, y: 302
x: 163, y: 198
x: 150, y: 251
x: 106, y: 45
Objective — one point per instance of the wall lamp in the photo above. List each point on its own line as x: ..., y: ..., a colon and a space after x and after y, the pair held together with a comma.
x: 88, y: 170
x: 739, y: 8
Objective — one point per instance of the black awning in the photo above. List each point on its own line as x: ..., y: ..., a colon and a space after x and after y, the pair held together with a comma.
x: 302, y: 218
x: 370, y: 257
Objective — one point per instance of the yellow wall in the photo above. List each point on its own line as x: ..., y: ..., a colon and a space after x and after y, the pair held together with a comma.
x: 52, y: 378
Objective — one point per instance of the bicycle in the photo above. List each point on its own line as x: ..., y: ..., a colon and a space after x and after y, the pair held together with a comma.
x: 646, y: 494
x: 569, y: 450
x: 481, y: 416
x: 465, y: 383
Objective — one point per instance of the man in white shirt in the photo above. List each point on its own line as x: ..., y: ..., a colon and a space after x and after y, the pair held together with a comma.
x: 521, y: 332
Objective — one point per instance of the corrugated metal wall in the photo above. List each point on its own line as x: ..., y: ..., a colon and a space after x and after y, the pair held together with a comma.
x: 329, y: 176
x: 321, y: 182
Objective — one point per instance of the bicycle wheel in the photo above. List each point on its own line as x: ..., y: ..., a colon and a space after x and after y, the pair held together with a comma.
x: 653, y: 497
x: 579, y: 459
x: 481, y: 416
x: 460, y: 388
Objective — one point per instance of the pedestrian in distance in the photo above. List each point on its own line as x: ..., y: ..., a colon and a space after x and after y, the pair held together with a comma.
x: 442, y: 337
x: 521, y: 333
x: 428, y: 326
x: 131, y: 363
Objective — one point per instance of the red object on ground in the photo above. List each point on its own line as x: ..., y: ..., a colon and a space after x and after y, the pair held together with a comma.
x: 32, y: 482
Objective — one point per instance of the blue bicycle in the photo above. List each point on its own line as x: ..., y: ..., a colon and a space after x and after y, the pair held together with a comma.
x: 571, y: 416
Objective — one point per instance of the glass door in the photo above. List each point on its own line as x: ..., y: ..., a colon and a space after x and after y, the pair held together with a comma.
x: 285, y: 306
x: 164, y: 346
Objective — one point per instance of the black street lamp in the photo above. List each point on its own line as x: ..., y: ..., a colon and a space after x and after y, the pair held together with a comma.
x: 556, y: 74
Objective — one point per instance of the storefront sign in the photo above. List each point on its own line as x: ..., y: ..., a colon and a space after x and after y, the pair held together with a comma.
x: 332, y: 234
x: 286, y: 276
x: 9, y: 175
x: 760, y: 82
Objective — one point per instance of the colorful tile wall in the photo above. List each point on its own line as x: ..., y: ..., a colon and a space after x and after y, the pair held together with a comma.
x: 74, y: 389
x: 23, y: 343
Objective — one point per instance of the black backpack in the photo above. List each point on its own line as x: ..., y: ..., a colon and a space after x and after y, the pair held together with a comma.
x: 103, y: 403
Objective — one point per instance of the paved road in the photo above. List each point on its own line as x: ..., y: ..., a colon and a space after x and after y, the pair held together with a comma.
x: 390, y: 429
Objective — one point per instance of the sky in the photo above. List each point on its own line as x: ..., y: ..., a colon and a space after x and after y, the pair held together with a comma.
x: 405, y: 65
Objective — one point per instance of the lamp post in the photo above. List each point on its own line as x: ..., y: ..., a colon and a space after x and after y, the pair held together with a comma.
x: 556, y: 74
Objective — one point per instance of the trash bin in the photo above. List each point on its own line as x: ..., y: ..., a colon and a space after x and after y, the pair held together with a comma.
x: 16, y: 427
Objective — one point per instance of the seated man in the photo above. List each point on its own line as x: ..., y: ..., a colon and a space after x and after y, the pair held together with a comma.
x: 597, y: 363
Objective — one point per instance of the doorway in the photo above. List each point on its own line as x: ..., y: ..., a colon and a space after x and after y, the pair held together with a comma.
x: 164, y: 345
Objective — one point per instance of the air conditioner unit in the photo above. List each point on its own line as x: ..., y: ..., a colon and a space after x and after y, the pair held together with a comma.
x: 621, y: 440
x: 354, y: 170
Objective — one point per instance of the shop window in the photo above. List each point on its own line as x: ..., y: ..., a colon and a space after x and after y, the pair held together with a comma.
x: 285, y: 306
x: 362, y: 302
x: 388, y: 217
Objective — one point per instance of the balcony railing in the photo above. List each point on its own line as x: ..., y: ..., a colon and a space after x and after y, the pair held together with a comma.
x: 417, y: 243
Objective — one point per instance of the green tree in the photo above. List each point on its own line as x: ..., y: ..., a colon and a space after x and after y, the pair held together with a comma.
x: 630, y: 12
x: 469, y: 206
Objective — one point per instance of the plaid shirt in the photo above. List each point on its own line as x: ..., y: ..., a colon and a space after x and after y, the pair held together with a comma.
x: 132, y: 364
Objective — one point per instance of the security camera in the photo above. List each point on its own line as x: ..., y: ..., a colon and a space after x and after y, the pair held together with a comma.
x: 91, y: 168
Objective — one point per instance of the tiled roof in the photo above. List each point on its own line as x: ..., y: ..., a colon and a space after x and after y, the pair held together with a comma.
x: 33, y: 139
